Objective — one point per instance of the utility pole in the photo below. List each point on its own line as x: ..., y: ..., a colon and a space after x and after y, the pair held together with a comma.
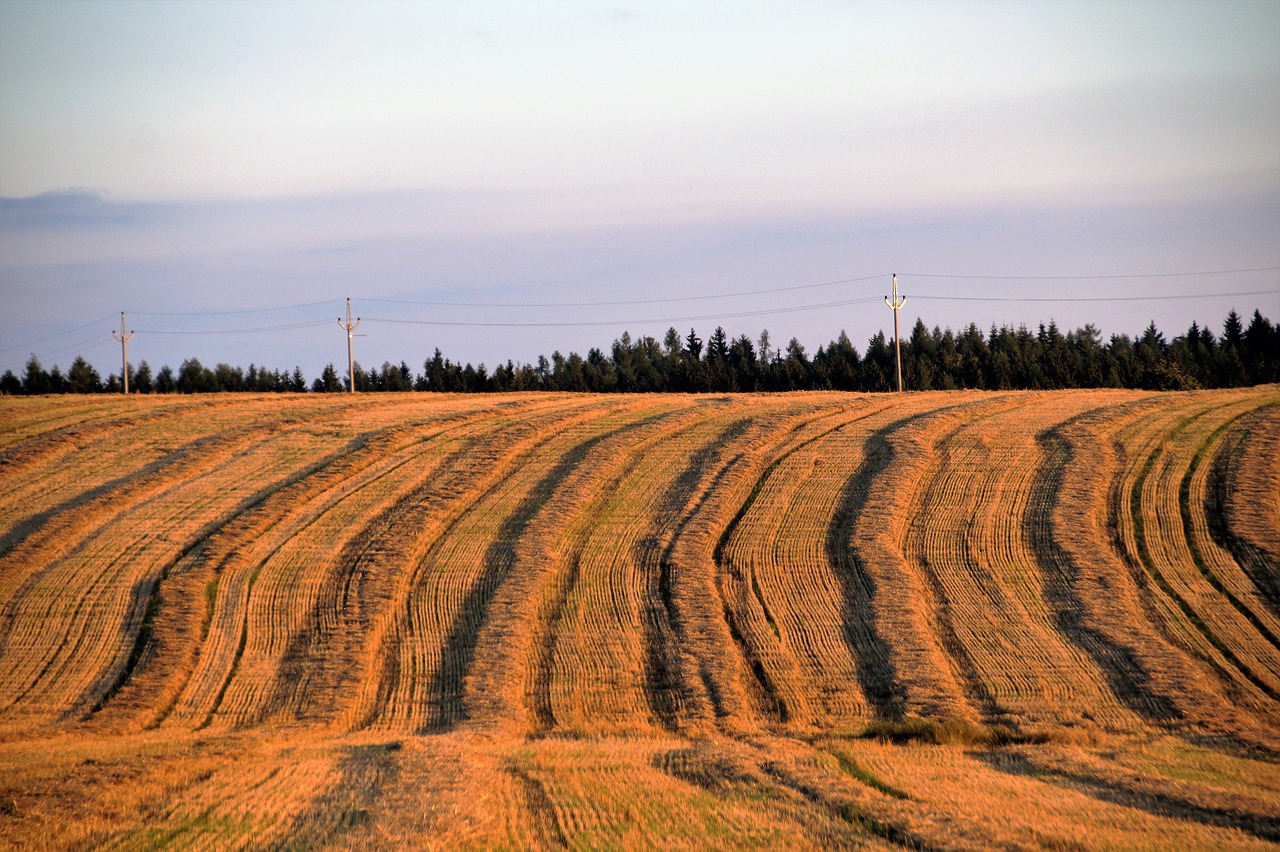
x: 124, y: 353
x: 350, y: 327
x: 896, y: 304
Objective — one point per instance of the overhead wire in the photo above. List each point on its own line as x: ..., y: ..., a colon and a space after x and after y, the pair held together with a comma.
x: 1129, y: 275
x: 666, y: 300
x: 842, y: 303
x: 55, y: 336
x: 86, y: 345
x: 69, y: 331
x: 633, y: 321
x: 624, y: 302
x: 1095, y: 298
x: 235, y: 312
x: 284, y: 327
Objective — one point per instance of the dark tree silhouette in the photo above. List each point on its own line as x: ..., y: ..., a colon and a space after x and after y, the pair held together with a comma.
x: 933, y: 359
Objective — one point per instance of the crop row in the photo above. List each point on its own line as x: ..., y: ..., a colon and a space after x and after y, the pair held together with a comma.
x: 645, y: 565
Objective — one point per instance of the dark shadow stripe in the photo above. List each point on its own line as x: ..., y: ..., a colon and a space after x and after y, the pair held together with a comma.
x: 1127, y: 678
x: 1158, y: 804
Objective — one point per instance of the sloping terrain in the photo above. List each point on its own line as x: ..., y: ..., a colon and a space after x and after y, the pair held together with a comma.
x: 950, y: 620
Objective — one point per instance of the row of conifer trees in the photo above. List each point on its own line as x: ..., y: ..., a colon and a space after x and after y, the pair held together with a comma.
x: 1002, y: 358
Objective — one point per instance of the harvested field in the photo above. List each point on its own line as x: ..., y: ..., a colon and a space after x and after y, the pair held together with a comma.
x: 947, y: 620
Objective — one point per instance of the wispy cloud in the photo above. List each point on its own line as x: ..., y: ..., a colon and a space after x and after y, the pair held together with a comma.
x: 374, y: 250
x: 267, y: 154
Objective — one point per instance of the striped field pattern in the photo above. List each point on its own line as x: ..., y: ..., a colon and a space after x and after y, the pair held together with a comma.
x: 944, y: 620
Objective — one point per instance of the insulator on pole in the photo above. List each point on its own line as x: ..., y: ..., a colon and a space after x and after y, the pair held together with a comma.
x: 124, y: 339
x: 896, y: 304
x: 350, y: 328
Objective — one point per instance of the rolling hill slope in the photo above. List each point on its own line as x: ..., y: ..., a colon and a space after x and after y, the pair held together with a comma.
x: 936, y: 620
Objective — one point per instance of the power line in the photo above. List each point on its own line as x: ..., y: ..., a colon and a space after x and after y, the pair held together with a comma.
x: 232, y: 313
x: 797, y: 309
x: 679, y: 299
x: 69, y: 331
x: 1094, y: 277
x: 795, y: 287
x: 93, y: 342
x: 1096, y: 298
x: 56, y: 336
x: 86, y: 345
x: 624, y: 302
x: 625, y: 322
x: 285, y: 327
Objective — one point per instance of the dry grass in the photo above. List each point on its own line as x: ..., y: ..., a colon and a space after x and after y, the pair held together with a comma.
x: 955, y: 620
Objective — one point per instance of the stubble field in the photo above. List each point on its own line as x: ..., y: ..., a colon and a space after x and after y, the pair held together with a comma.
x: 948, y: 620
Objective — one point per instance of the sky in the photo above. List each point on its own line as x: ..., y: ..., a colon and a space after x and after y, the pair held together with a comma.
x: 507, y: 179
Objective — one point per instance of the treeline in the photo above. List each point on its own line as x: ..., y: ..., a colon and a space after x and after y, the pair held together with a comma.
x: 191, y: 377
x: 1001, y: 359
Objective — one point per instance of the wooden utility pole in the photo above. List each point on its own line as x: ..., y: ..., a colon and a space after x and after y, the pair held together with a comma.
x: 350, y: 328
x: 896, y: 304
x: 124, y: 353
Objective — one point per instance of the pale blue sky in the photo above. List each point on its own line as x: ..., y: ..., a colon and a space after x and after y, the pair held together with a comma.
x: 187, y: 157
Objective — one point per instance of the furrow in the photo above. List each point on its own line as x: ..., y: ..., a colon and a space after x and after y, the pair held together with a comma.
x: 1214, y: 562
x: 278, y: 513
x: 523, y: 444
x: 1160, y: 655
x: 968, y: 537
x: 269, y: 596
x: 319, y: 672
x: 595, y: 665
x: 1158, y: 542
x: 784, y: 548
x: 1051, y: 524
x: 32, y: 425
x: 1243, y: 500
x: 723, y: 625
x: 484, y: 674
x: 423, y: 640
x: 933, y: 677
x: 115, y: 561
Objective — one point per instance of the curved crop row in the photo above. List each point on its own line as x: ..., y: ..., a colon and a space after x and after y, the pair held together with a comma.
x: 1119, y: 542
x: 968, y: 537
x: 87, y: 574
x: 608, y: 565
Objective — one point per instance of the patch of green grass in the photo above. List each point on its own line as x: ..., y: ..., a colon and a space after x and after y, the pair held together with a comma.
x: 188, y: 830
x: 210, y: 601
x: 858, y: 773
x: 856, y: 817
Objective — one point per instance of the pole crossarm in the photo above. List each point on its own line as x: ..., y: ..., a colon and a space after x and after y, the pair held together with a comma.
x: 350, y: 328
x: 124, y: 338
x: 896, y: 304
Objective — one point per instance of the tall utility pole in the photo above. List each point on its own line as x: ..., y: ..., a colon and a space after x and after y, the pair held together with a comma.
x: 124, y: 352
x: 896, y: 304
x: 351, y: 361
